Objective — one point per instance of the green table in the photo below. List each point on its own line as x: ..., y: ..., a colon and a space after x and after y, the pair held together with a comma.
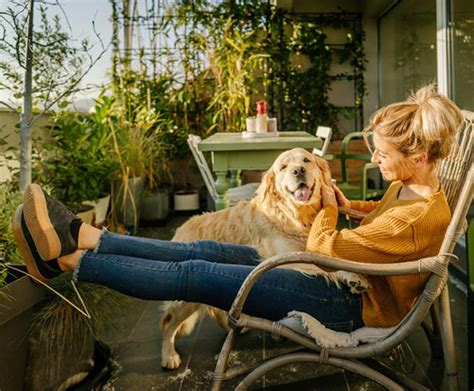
x: 231, y: 152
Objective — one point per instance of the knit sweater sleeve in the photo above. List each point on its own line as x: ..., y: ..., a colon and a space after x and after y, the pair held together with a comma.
x: 364, y: 206
x: 386, y: 239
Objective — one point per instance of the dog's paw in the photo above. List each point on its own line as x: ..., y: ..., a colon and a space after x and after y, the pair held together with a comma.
x: 171, y: 361
x: 356, y: 283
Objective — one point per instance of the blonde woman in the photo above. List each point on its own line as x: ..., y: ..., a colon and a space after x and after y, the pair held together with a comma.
x: 407, y: 139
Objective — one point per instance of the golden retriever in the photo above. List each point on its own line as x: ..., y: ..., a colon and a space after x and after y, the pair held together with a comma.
x: 277, y: 220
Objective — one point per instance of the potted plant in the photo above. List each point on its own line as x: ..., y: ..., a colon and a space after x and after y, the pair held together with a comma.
x: 133, y: 149
x: 68, y: 340
x: 136, y: 129
x: 34, y: 323
x: 18, y: 296
x: 77, y: 163
x: 155, y: 201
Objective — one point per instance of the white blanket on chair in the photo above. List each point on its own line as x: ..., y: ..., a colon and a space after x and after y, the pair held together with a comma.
x: 305, y: 324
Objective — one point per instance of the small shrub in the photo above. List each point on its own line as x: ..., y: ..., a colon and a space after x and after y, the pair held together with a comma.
x: 10, y: 198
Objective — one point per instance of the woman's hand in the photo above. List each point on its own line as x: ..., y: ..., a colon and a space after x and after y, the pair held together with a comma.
x: 341, y: 198
x: 328, y: 197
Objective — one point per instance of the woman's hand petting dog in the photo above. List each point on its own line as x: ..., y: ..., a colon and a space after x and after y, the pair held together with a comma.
x: 332, y: 195
x: 342, y: 201
x: 328, y: 197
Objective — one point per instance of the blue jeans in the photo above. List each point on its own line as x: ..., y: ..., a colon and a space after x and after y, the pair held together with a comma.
x: 211, y: 273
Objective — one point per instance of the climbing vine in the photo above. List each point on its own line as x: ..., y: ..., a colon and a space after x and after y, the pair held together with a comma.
x: 220, y: 58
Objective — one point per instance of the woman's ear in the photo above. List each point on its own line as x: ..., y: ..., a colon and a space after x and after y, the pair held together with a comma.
x: 420, y: 159
x: 267, y: 186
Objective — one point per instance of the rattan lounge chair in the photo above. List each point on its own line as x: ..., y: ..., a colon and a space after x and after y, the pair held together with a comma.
x: 457, y: 175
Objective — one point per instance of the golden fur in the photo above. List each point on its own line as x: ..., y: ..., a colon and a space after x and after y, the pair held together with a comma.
x: 277, y: 220
x: 271, y: 222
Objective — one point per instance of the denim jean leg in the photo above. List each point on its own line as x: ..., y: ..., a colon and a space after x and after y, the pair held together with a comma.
x: 276, y: 293
x: 165, y: 250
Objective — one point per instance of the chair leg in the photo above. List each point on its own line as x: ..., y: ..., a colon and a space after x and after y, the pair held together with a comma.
x: 447, y: 337
x: 433, y: 333
x: 350, y: 365
x: 222, y: 361
x: 391, y: 373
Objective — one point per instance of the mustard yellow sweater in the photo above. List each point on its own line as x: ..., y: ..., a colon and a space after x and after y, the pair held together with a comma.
x: 394, y: 231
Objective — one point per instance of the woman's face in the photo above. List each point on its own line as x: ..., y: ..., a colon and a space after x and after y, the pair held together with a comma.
x: 392, y: 163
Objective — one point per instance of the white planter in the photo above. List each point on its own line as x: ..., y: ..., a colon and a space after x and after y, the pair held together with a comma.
x: 87, y: 216
x: 101, y: 206
x: 185, y: 200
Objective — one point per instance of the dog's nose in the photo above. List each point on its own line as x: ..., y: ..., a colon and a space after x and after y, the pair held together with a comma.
x: 299, y: 171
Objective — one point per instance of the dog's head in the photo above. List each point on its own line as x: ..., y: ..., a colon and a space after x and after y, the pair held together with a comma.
x: 296, y: 176
x: 293, y: 184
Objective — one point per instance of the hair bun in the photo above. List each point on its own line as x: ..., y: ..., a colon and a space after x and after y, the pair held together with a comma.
x: 424, y: 94
x: 426, y: 121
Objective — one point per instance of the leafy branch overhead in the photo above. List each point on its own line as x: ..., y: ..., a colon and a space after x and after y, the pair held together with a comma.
x: 219, y: 59
x: 59, y: 62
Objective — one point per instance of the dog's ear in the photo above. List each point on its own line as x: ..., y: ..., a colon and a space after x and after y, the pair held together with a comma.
x: 323, y: 165
x: 267, y: 187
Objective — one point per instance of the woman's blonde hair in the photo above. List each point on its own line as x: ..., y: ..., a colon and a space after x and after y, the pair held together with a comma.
x: 425, y: 122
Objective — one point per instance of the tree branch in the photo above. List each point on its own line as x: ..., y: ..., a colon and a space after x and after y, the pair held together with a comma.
x: 68, y: 91
x: 7, y: 105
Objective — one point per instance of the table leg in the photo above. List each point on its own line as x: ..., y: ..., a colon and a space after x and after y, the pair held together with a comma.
x: 235, y: 178
x: 222, y: 184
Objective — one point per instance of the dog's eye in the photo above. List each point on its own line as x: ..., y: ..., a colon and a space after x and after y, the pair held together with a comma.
x: 282, y: 167
x: 306, y: 160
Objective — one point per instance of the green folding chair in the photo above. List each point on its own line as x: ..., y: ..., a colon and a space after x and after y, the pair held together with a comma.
x: 361, y: 191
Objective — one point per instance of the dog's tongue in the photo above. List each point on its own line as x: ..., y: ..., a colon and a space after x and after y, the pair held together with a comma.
x: 302, y: 193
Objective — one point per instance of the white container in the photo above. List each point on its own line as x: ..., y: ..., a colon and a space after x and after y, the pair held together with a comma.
x: 186, y: 200
x: 262, y: 123
x: 101, y: 207
x: 87, y: 216
x: 272, y: 125
x: 251, y: 124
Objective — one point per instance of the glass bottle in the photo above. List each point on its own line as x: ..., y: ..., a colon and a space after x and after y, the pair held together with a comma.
x: 262, y: 117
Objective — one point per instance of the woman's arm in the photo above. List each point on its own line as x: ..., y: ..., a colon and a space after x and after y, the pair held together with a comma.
x: 364, y: 206
x: 386, y: 239
x: 361, y: 206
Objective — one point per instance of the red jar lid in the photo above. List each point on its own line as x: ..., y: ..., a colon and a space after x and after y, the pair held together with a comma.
x: 261, y: 107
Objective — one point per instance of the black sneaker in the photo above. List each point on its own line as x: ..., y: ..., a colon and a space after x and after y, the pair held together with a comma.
x: 35, y: 265
x: 49, y: 223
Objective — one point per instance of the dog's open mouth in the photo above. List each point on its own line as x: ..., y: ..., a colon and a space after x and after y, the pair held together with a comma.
x: 303, y: 193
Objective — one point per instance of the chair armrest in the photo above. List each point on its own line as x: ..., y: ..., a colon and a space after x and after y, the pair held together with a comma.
x: 369, y: 166
x: 353, y: 214
x: 330, y: 157
x: 347, y: 139
x: 364, y: 178
x: 437, y: 264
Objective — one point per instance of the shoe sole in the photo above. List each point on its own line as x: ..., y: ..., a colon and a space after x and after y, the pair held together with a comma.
x: 23, y: 246
x: 37, y: 220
